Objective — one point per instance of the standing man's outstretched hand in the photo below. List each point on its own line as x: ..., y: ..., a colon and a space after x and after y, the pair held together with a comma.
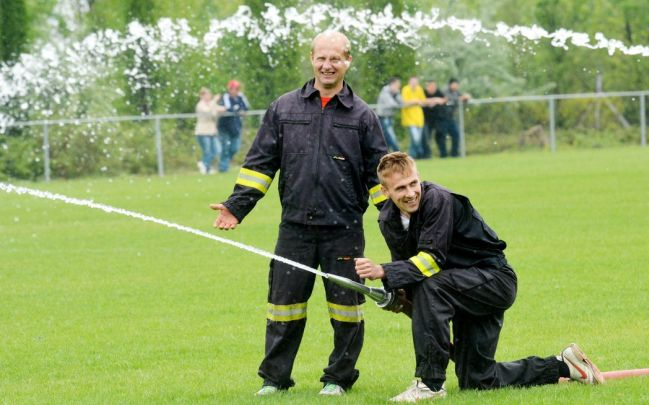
x: 225, y: 220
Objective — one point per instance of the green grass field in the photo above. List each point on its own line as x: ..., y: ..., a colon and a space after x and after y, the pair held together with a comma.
x: 101, y: 308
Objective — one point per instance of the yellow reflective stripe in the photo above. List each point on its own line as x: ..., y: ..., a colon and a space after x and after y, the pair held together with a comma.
x: 425, y: 263
x: 376, y: 195
x: 253, y: 179
x: 285, y: 313
x: 345, y: 313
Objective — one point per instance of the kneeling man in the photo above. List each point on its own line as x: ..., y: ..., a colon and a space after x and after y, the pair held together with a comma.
x: 451, y: 267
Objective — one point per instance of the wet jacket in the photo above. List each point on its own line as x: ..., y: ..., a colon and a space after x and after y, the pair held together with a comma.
x: 326, y: 157
x: 445, y: 233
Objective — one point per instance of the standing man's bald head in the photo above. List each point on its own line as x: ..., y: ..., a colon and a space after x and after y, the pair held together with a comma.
x: 333, y: 37
x: 330, y: 58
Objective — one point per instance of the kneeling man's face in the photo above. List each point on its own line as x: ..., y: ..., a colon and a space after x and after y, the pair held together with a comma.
x: 404, y: 189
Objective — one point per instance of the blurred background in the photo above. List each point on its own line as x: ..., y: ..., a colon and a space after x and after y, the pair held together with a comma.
x: 145, y: 60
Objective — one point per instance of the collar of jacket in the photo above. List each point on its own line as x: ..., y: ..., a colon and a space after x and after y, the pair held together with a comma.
x: 345, y: 96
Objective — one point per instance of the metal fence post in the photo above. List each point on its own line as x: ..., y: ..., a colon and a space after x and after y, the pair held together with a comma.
x: 553, y: 129
x: 643, y: 121
x: 46, y: 151
x: 461, y: 122
x: 158, y: 146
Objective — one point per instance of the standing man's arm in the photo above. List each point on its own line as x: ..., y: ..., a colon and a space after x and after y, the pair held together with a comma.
x: 256, y: 174
x: 373, y: 148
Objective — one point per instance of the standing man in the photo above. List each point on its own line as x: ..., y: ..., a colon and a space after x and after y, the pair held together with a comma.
x: 388, y: 103
x: 447, y: 124
x: 230, y: 125
x: 412, y: 116
x: 326, y: 142
x: 433, y: 109
x: 452, y: 267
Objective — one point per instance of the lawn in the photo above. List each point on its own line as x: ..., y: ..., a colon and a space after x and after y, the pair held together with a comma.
x: 102, y: 308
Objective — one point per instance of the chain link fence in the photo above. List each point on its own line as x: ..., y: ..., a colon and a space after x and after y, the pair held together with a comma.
x: 156, y: 144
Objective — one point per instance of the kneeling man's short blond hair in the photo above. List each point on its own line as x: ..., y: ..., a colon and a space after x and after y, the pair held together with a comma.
x: 395, y: 162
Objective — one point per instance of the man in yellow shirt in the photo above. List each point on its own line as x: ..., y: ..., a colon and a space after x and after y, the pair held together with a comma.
x: 412, y: 115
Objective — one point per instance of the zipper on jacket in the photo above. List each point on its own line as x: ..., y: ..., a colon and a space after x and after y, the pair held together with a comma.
x: 316, y: 181
x: 317, y: 159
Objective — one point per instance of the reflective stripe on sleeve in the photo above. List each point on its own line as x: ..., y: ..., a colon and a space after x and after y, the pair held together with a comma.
x: 425, y: 263
x: 256, y: 180
x: 345, y: 313
x: 285, y: 313
x: 376, y: 195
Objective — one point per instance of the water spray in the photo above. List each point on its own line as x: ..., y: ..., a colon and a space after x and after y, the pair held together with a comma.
x: 383, y: 298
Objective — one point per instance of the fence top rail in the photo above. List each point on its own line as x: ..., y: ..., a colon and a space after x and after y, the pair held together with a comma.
x: 91, y: 120
x: 559, y: 97
x: 120, y: 118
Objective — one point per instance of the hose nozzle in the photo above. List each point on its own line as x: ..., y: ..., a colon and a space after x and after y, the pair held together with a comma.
x: 384, y: 299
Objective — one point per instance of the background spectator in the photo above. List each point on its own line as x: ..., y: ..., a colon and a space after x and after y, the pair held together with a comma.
x: 386, y: 106
x: 412, y: 115
x: 433, y: 109
x: 230, y: 125
x: 205, y: 131
x: 448, y: 125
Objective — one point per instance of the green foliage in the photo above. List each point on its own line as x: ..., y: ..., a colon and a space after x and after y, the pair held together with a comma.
x: 141, y: 10
x: 21, y: 155
x: 13, y: 29
x: 486, y: 67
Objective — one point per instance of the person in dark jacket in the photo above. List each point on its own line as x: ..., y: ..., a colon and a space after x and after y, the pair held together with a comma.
x: 326, y: 142
x: 451, y: 267
x: 230, y: 125
x: 433, y: 110
x: 447, y: 125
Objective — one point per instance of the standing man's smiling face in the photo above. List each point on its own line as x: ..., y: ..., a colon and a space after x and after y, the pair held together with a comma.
x: 330, y: 59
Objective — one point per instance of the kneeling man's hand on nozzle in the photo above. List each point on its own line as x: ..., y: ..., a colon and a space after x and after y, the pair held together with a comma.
x: 365, y: 268
x: 226, y: 220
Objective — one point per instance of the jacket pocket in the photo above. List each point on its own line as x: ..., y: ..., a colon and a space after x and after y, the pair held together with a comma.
x: 296, y: 134
x: 342, y: 169
x: 467, y: 279
x: 345, y: 136
x: 347, y: 125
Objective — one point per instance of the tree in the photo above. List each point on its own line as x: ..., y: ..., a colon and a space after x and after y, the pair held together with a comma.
x: 267, y: 75
x: 13, y: 29
x: 384, y: 59
x: 138, y: 60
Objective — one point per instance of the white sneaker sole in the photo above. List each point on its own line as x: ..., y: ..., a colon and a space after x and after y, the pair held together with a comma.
x: 597, y: 375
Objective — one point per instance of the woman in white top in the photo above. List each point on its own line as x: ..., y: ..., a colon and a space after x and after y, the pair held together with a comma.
x: 207, y: 111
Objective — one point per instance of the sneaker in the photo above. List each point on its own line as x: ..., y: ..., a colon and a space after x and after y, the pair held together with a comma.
x: 267, y: 390
x: 581, y: 368
x: 332, y: 389
x: 201, y: 167
x: 418, y: 391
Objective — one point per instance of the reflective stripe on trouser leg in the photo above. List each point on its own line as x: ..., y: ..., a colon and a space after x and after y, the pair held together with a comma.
x: 345, y: 306
x: 345, y: 313
x: 286, y: 313
x: 289, y: 290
